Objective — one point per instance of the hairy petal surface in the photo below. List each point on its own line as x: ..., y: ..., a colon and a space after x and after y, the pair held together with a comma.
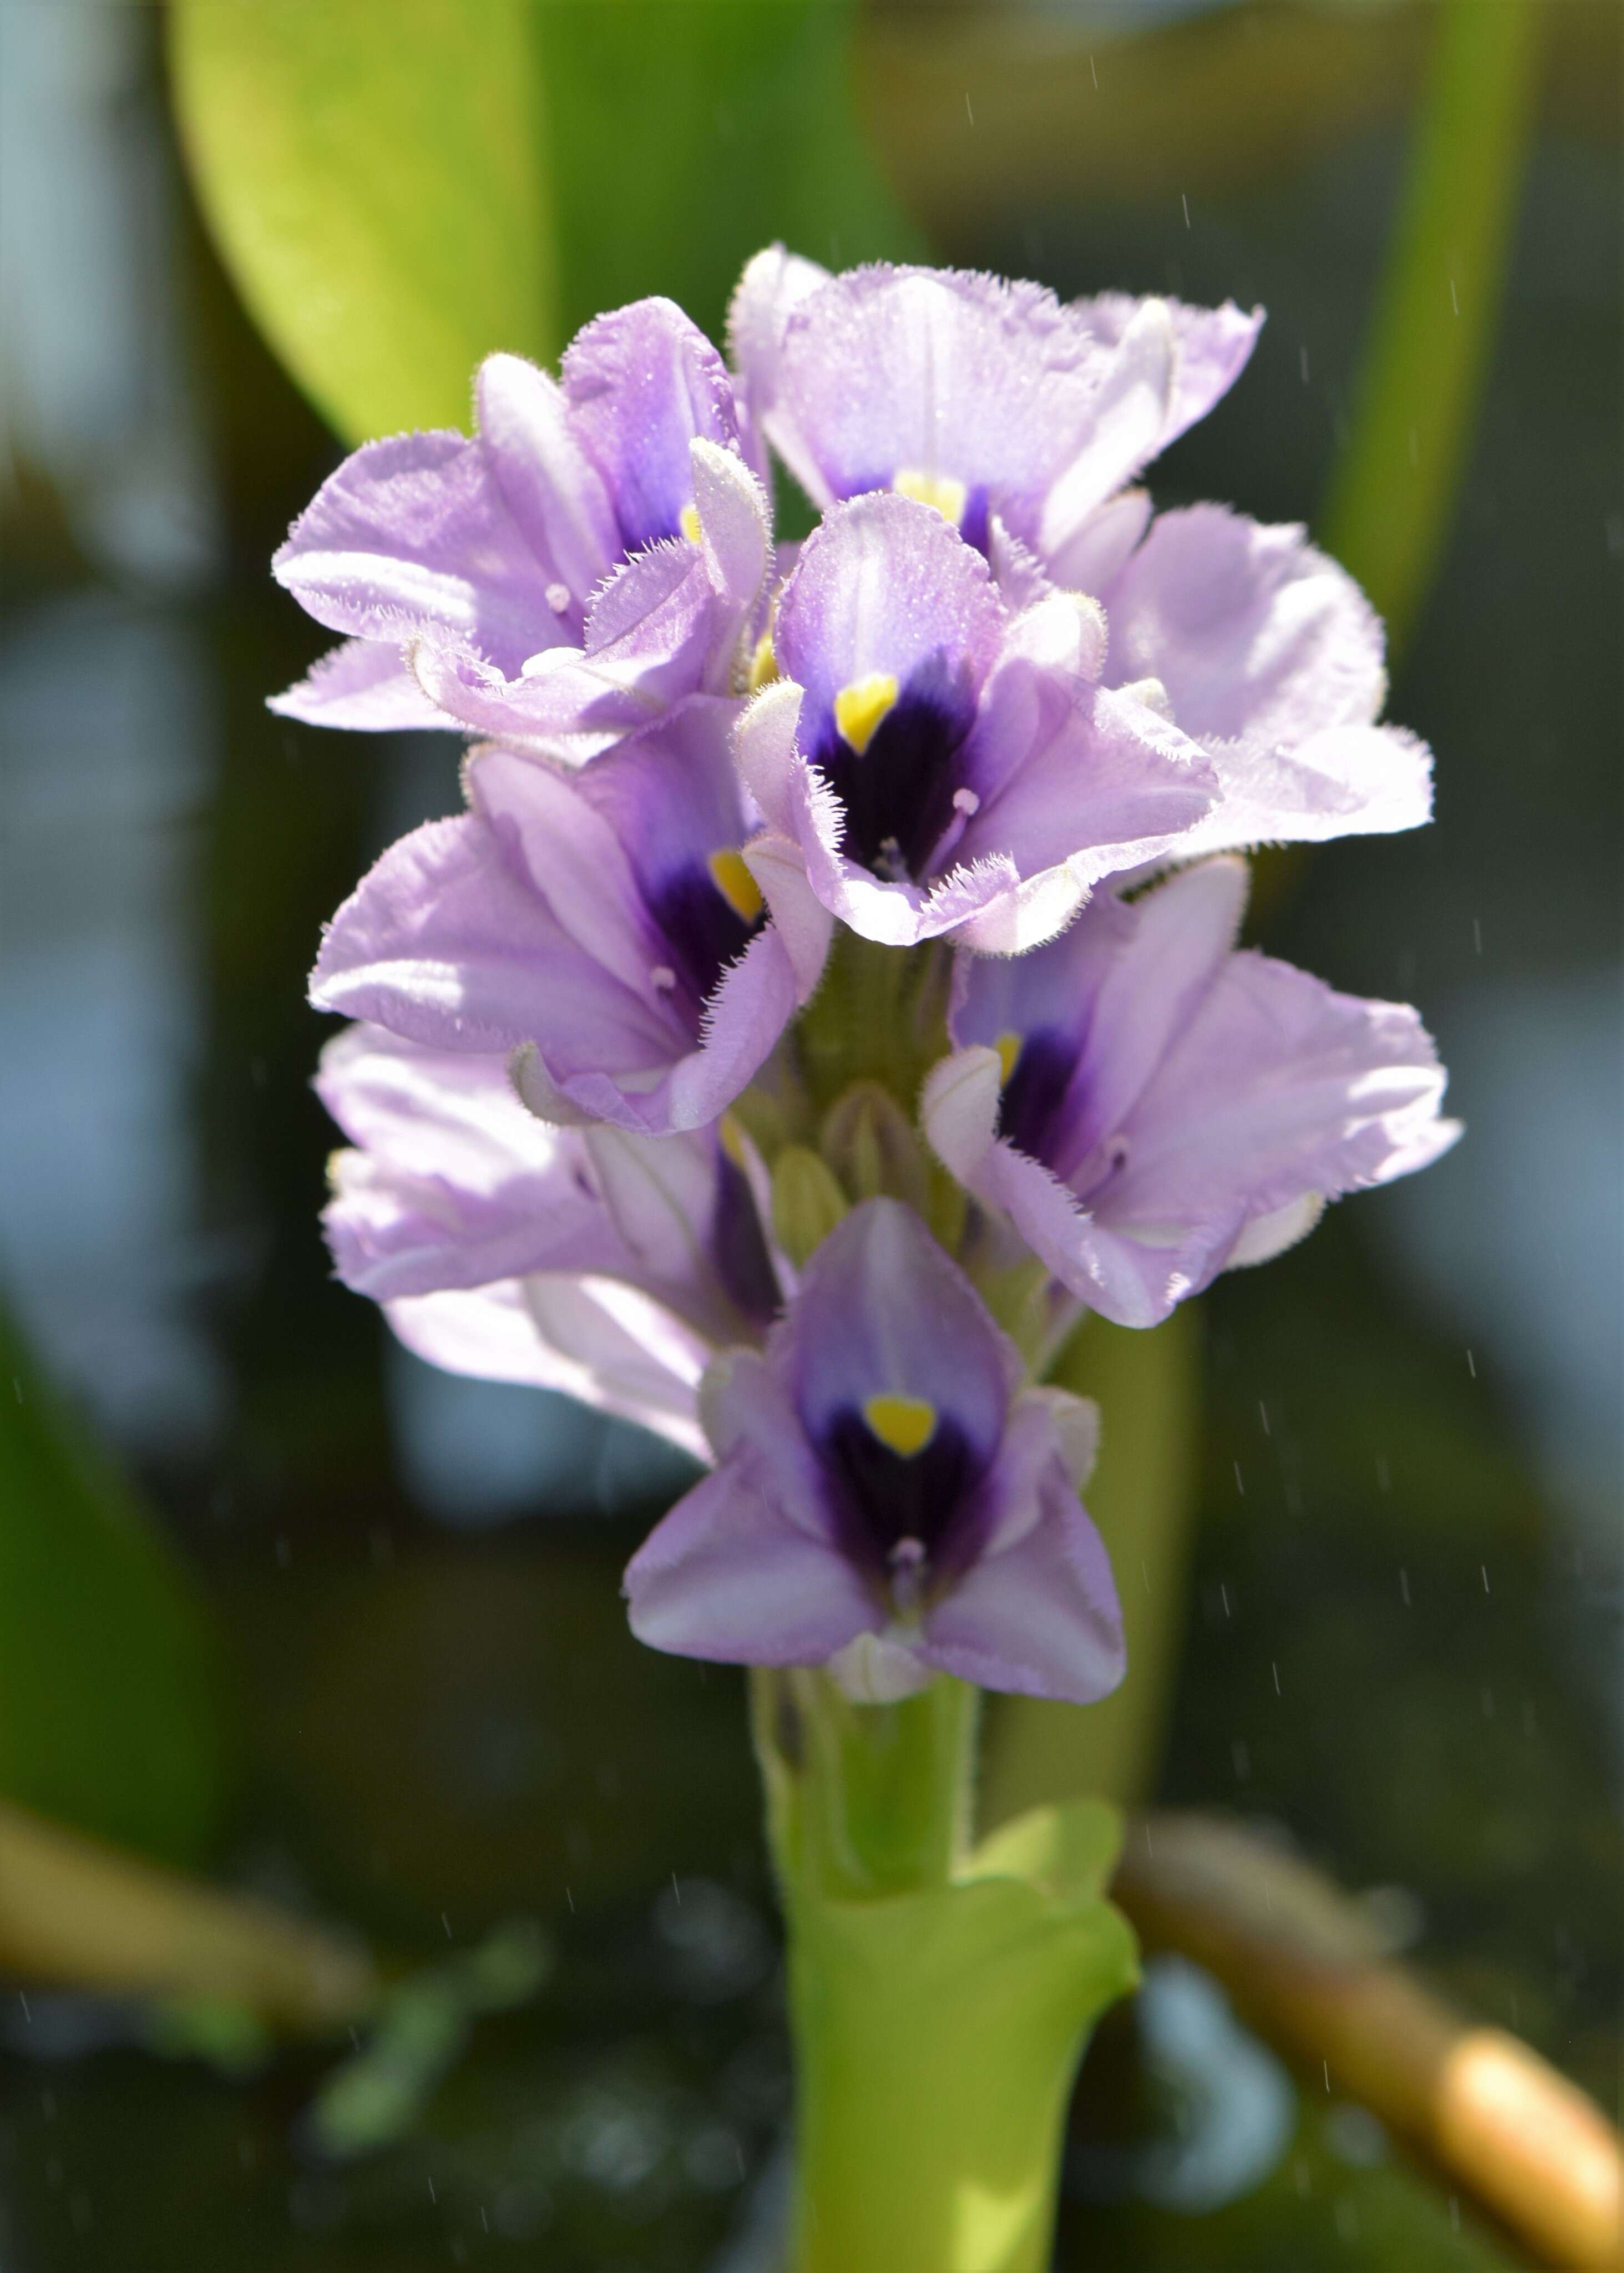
x: 1146, y: 1104
x: 363, y: 684
x: 881, y: 1483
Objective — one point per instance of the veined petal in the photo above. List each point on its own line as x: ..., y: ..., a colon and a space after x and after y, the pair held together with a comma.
x: 446, y: 942
x: 548, y: 482
x: 687, y: 1221
x: 1281, y: 1088
x: 1041, y: 1618
x: 764, y: 750
x: 1140, y: 1002
x: 749, y: 1010
x: 736, y: 524
x: 641, y: 383
x: 881, y: 1311
x: 493, y: 1332
x: 773, y: 285
x: 1112, y: 785
x: 656, y: 633
x: 728, y: 1576
x: 884, y: 589
x: 411, y: 536
x: 1099, y: 548
x: 363, y: 684
x: 1131, y: 410
x: 799, y: 916
x: 1347, y: 781
x: 455, y: 1184
x: 934, y: 373
x: 745, y: 1568
x: 1212, y: 348
x: 1138, y: 1096
x: 1132, y: 1285
x: 1253, y: 632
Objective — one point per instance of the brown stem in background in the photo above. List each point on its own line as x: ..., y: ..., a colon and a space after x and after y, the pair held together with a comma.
x: 1304, y: 1965
x: 78, y: 1915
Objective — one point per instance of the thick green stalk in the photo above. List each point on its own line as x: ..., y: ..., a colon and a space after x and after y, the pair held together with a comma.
x: 1392, y: 498
x: 940, y: 1998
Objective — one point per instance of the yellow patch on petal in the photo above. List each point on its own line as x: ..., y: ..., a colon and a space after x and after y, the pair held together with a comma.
x: 1008, y: 1046
x: 904, y: 1425
x: 736, y: 885
x: 860, y: 707
x: 687, y: 521
x: 733, y: 1139
x: 763, y: 666
x: 948, y: 496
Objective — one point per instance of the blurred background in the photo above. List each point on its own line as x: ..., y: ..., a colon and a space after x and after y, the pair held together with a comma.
x: 284, y: 1609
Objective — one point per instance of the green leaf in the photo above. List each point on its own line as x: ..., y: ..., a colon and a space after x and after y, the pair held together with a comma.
x: 1392, y: 498
x: 686, y: 135
x: 398, y: 190
x: 374, y: 177
x: 111, y: 1703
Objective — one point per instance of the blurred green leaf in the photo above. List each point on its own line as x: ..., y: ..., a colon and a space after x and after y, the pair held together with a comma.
x: 375, y: 179
x: 1392, y: 498
x: 399, y: 192
x: 110, y: 1706
x: 686, y: 134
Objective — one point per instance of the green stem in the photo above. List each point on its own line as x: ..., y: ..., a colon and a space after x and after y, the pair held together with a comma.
x: 1392, y: 497
x: 939, y: 1997
x: 886, y: 1788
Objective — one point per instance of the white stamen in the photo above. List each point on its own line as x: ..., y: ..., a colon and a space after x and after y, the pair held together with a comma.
x: 662, y: 977
x: 557, y: 597
x: 966, y: 801
x: 878, y: 1669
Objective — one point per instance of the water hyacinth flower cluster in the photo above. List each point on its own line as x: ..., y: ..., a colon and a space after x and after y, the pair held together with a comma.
x: 830, y: 992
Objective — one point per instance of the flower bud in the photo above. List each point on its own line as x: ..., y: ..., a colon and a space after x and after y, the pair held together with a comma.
x: 871, y: 1143
x: 806, y: 1203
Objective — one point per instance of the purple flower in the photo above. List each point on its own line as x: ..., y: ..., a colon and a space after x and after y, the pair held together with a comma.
x: 991, y: 401
x: 1268, y: 655
x: 459, y: 567
x: 612, y: 929
x: 941, y: 762
x: 587, y: 1260
x: 1147, y: 1106
x: 887, y: 1500
x: 1020, y: 420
